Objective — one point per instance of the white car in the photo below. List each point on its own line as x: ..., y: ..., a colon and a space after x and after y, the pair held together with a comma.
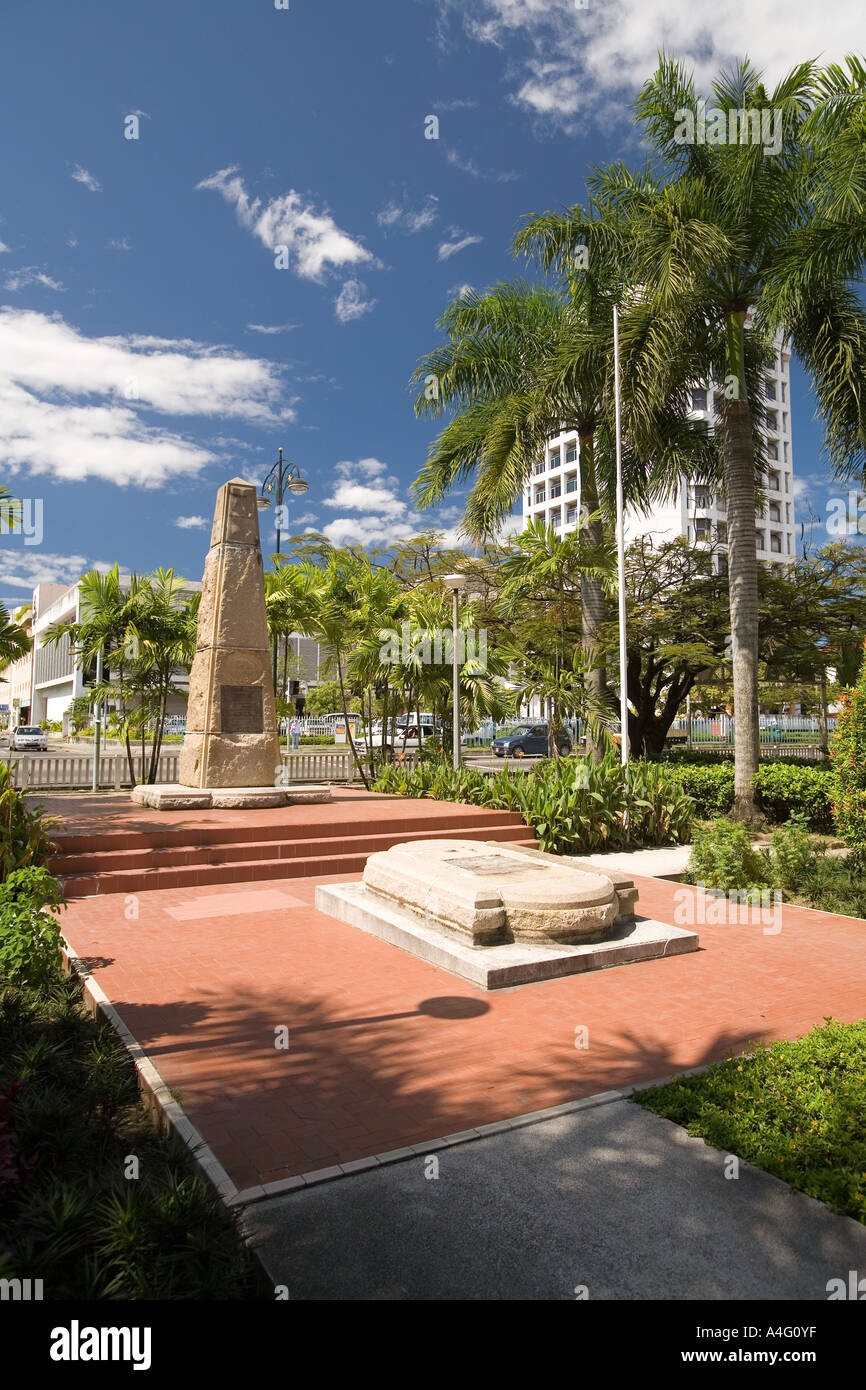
x: 401, y: 738
x: 28, y: 738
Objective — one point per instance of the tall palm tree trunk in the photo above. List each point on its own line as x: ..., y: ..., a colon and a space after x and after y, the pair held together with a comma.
x: 743, y: 587
x: 592, y: 598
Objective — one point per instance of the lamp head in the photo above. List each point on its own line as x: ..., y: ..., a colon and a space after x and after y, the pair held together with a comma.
x: 455, y: 582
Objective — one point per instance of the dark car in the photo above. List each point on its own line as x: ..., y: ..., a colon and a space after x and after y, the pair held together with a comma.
x: 528, y: 740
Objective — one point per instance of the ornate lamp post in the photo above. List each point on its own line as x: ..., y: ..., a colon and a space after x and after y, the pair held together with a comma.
x: 283, y: 477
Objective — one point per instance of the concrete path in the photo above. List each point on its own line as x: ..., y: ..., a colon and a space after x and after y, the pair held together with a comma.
x: 611, y: 1199
x: 668, y: 861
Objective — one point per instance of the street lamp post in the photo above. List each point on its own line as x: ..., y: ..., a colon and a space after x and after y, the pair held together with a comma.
x: 284, y: 476
x: 455, y: 582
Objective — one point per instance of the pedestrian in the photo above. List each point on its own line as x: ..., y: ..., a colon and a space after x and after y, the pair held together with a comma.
x: 295, y: 731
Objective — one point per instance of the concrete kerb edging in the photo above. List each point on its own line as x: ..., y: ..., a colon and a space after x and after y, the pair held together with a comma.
x: 167, y: 1114
x: 170, y: 1116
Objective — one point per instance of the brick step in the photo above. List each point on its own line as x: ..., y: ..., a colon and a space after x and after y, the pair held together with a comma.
x: 195, y: 876
x: 187, y: 856
x: 237, y: 832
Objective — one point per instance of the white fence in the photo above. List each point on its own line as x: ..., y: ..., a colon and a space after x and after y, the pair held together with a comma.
x: 73, y: 772
x: 778, y: 729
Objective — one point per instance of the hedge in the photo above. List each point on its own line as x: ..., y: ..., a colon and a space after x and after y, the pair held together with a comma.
x: 781, y: 789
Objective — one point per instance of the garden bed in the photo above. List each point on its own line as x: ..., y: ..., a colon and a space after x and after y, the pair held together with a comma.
x: 794, y: 1109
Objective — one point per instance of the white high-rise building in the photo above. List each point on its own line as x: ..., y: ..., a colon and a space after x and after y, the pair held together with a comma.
x: 697, y: 512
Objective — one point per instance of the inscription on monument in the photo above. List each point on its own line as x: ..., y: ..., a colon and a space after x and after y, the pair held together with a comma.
x: 241, y: 710
x: 483, y: 864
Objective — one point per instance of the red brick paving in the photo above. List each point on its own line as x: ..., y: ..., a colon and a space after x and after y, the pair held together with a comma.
x: 387, y: 1050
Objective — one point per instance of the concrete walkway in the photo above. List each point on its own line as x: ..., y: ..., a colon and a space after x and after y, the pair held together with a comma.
x: 612, y: 1199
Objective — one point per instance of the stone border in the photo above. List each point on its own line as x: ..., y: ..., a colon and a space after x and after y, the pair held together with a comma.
x: 169, y: 1116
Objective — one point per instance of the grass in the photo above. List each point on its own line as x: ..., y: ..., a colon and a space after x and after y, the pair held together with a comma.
x: 795, y: 1109
x: 70, y: 1213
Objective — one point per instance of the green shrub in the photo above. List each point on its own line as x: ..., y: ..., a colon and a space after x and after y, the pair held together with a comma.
x: 848, y: 760
x: 711, y: 786
x: 785, y: 788
x: 573, y: 806
x: 794, y: 1109
x: 793, y: 852
x: 24, y: 837
x: 29, y: 936
x: 723, y: 857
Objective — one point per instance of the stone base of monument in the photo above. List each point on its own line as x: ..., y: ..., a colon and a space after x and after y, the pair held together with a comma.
x: 172, y: 796
x: 498, y: 915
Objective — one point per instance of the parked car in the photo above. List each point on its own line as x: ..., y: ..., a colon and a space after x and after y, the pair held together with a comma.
x: 400, y: 737
x: 29, y: 738
x: 528, y: 740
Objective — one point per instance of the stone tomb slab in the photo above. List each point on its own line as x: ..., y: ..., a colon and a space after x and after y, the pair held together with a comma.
x: 488, y: 895
x: 172, y: 796
x: 500, y: 967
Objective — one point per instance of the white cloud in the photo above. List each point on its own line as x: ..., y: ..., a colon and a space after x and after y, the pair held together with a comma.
x: 350, y: 302
x: 304, y: 519
x: 121, y: 245
x: 191, y: 523
x: 359, y: 497
x: 270, y: 328
x: 84, y: 176
x: 315, y: 243
x: 590, y: 62
x: 410, y: 220
x: 458, y: 291
x: 73, y: 407
x: 369, y: 468
x: 447, y: 249
x: 468, y: 166
x: 24, y: 569
x: 368, y: 530
x: 72, y: 240
x: 458, y: 104
x: 30, y: 275
x: 3, y: 247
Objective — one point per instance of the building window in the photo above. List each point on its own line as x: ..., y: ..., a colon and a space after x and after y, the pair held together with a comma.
x: 539, y: 495
x: 770, y: 389
x: 759, y: 539
x: 702, y: 497
x: 539, y: 467
x: 774, y: 479
x: 571, y: 454
x: 722, y: 532
x: 722, y: 562
x: 699, y: 400
x: 721, y: 503
x: 772, y: 449
x: 775, y: 510
x: 554, y: 458
x: 571, y: 484
x: 702, y: 528
x: 555, y: 517
x: 773, y: 421
x: 788, y: 512
x: 556, y: 489
x: 775, y: 542
x: 571, y: 513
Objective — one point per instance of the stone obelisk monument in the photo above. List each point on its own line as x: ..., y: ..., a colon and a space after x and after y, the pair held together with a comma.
x: 231, y: 750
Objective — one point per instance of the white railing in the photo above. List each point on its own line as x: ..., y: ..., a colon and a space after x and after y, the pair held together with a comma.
x: 74, y: 772
x: 779, y: 729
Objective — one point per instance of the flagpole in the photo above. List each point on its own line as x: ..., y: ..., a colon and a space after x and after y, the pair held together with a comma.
x: 620, y: 551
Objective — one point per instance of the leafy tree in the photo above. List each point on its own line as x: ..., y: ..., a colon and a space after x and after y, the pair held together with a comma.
x: 730, y: 244
x: 848, y: 754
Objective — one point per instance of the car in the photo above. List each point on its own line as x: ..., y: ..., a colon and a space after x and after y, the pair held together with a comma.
x: 401, y: 738
x: 29, y: 738
x: 528, y: 740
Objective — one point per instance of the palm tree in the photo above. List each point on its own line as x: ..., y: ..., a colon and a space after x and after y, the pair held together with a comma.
x: 523, y: 362
x: 547, y: 571
x: 14, y: 641
x: 732, y: 244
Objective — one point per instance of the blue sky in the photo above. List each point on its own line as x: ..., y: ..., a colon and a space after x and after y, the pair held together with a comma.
x: 150, y: 348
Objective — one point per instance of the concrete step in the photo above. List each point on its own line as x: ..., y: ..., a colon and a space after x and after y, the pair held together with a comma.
x: 189, y: 836
x: 187, y: 856
x: 109, y: 880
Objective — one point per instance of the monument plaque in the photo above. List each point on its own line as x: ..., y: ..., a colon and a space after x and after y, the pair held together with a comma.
x: 241, y: 709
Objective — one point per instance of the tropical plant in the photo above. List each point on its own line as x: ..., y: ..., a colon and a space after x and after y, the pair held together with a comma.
x: 30, y: 937
x: 25, y: 838
x: 731, y: 244
x: 848, y: 755
x: 14, y: 641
